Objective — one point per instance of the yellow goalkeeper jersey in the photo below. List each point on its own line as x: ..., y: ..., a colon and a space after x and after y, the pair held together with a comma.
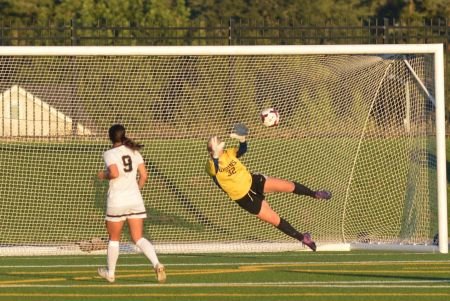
x: 232, y: 176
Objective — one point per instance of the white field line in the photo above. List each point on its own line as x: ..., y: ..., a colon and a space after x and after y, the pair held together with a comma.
x: 416, y: 284
x: 243, y: 263
x: 224, y: 255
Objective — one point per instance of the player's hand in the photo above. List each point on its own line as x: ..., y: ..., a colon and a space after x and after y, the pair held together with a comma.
x: 217, y: 147
x: 102, y: 175
x: 240, y: 131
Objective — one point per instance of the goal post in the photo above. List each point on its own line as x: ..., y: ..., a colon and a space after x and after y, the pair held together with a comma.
x: 365, y: 121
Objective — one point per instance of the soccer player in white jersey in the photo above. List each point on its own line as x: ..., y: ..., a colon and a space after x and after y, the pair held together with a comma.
x: 123, y: 163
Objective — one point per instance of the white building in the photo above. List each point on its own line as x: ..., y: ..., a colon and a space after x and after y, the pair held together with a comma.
x: 23, y: 114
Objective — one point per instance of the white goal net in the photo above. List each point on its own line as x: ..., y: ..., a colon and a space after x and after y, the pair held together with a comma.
x: 361, y: 125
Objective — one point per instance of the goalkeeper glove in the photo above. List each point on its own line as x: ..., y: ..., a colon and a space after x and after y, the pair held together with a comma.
x: 240, y: 131
x: 216, y: 147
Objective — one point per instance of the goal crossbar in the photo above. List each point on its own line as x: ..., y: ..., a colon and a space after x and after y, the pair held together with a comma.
x: 222, y: 50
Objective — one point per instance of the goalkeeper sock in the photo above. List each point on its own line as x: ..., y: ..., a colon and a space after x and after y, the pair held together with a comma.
x: 112, y: 256
x: 148, y: 250
x: 303, y: 190
x: 287, y: 229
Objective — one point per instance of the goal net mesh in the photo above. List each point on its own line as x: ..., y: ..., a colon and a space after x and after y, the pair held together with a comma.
x: 360, y: 126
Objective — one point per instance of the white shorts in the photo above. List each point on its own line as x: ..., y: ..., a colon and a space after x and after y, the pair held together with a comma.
x: 122, y: 213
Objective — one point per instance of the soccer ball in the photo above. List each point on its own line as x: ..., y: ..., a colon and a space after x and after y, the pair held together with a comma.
x: 270, y: 117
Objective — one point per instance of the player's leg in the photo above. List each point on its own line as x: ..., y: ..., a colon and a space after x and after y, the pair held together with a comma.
x: 254, y: 203
x: 136, y: 226
x: 280, y: 185
x: 268, y: 215
x: 114, y: 229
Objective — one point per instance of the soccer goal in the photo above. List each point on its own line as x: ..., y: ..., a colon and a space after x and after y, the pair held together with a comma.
x: 364, y: 121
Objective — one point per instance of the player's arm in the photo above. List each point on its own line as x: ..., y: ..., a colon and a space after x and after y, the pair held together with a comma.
x: 143, y: 175
x: 211, y: 168
x: 112, y: 170
x: 242, y: 149
x: 110, y: 173
x: 240, y: 131
x: 215, y: 148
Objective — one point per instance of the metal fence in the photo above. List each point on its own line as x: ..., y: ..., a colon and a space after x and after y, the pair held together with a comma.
x: 228, y: 32
x: 233, y: 32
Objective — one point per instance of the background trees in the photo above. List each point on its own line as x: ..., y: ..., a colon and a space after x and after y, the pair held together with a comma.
x: 88, y: 12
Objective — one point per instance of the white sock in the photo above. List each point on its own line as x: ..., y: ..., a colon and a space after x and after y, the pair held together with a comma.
x: 112, y: 255
x: 148, y: 250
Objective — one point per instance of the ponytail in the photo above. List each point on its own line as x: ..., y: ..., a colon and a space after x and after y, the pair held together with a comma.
x: 131, y: 144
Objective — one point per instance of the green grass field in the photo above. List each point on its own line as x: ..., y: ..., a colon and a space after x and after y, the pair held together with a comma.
x: 264, y: 276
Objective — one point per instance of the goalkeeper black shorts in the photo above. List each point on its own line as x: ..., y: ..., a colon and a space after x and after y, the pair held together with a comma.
x: 252, y: 201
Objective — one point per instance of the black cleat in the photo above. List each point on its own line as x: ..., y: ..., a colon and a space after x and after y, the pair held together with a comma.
x: 307, y: 241
x: 323, y: 195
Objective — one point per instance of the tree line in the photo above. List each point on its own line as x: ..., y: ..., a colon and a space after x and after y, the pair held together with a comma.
x: 89, y: 12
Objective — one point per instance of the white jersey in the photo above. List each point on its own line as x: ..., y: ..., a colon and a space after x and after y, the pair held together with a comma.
x: 123, y: 190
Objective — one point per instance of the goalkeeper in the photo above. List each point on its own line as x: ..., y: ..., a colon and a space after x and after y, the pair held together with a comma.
x: 248, y: 189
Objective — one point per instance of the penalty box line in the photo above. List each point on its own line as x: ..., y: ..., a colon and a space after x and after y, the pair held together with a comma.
x: 284, y: 263
x: 416, y: 284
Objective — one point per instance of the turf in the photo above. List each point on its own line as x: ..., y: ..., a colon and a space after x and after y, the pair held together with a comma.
x: 264, y: 276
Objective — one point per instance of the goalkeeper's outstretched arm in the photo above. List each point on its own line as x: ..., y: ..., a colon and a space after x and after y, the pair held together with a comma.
x: 240, y: 132
x: 242, y: 149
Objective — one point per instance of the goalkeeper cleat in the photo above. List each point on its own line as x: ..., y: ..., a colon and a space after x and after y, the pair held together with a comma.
x: 307, y: 241
x: 103, y: 272
x: 322, y: 195
x: 160, y: 272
